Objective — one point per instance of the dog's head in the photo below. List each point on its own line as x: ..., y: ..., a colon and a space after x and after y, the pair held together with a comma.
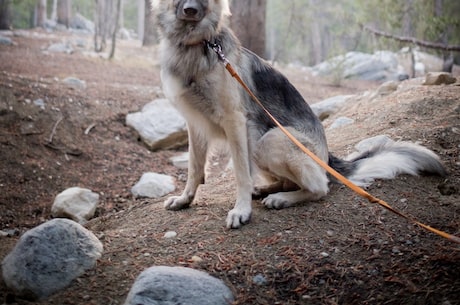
x: 189, y: 22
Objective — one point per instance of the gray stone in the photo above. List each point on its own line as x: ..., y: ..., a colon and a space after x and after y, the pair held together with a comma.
x: 74, y: 83
x: 49, y: 257
x: 260, y: 280
x: 6, y: 41
x: 159, y: 125
x: 161, y: 285
x: 341, y: 122
x: 60, y: 48
x: 39, y: 103
x: 75, y: 203
x: 153, y: 185
x: 367, y: 144
x: 81, y: 23
x: 387, y: 88
x: 380, y: 66
x: 180, y: 161
x: 330, y: 106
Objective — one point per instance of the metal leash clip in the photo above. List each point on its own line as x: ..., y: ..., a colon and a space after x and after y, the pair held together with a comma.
x: 216, y: 47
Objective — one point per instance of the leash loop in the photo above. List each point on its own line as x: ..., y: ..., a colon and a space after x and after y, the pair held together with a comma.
x: 216, y: 47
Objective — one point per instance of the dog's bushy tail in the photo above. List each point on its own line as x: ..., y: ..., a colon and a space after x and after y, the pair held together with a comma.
x: 386, y: 161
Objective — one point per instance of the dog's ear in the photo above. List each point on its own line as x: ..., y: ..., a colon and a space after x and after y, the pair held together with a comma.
x: 225, y: 7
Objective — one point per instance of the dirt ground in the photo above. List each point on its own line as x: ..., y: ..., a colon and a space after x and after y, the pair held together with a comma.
x: 340, y: 250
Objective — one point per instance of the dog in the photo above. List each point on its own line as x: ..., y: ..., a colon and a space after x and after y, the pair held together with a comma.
x: 216, y: 107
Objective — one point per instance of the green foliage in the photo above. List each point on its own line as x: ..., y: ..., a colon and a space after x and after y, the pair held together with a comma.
x: 22, y: 13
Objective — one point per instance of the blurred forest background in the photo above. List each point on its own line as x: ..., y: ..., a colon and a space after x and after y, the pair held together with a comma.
x: 295, y: 31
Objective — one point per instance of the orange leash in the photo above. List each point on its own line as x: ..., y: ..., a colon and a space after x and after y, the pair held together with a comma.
x: 360, y: 191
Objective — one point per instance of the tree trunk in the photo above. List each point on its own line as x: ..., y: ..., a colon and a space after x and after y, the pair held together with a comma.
x: 248, y: 23
x: 5, y: 14
x: 54, y: 11
x: 140, y: 19
x: 100, y: 26
x: 407, y: 23
x: 41, y: 13
x: 64, y: 12
x: 150, y: 36
x: 115, y: 28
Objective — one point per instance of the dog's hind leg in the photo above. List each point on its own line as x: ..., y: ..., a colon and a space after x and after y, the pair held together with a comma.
x: 196, y: 165
x: 277, y: 155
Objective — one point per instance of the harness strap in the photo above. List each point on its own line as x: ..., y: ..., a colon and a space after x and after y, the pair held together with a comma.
x: 360, y: 191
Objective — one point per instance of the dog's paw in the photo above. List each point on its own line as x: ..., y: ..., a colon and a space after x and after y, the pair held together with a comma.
x: 276, y: 201
x: 236, y: 218
x: 175, y: 203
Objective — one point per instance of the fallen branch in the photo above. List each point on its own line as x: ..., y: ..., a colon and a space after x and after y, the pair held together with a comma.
x: 50, y: 139
x: 422, y: 43
x: 87, y: 130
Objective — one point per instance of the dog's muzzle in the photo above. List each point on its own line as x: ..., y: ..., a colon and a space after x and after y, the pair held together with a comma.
x: 190, y: 10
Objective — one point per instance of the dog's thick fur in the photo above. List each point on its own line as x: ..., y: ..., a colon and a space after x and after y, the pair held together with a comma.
x: 215, y: 106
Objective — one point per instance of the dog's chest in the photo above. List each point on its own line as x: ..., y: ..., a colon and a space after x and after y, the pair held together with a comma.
x: 201, y: 94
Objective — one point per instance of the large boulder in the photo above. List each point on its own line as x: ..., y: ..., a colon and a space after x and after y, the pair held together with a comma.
x: 80, y: 22
x: 380, y: 66
x: 159, y: 125
x: 49, y: 257
x: 439, y: 78
x: 75, y: 203
x: 178, y: 285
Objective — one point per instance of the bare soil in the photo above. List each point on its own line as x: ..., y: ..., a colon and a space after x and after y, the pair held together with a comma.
x: 340, y: 250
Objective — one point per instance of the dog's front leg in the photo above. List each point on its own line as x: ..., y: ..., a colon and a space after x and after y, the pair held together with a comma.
x: 196, y: 164
x: 237, y: 137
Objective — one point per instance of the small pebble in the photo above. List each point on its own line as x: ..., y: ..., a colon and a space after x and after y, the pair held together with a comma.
x: 259, y: 279
x: 196, y: 259
x: 170, y: 234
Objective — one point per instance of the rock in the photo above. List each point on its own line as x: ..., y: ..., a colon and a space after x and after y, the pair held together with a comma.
x: 387, y: 88
x: 439, y: 78
x: 170, y: 234
x: 9, y: 232
x: 341, y: 122
x: 159, y: 125
x: 6, y: 41
x: 60, y: 48
x: 153, y: 185
x: 123, y: 33
x: 366, y: 144
x: 180, y: 161
x: 260, y: 280
x: 75, y: 83
x: 162, y: 285
x: 330, y: 106
x: 75, y: 203
x: 380, y: 66
x: 81, y: 23
x: 39, y: 103
x: 49, y: 257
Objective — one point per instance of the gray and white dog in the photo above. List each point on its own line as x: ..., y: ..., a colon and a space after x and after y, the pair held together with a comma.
x: 216, y: 107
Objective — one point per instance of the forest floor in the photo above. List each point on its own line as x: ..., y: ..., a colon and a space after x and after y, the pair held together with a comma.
x: 339, y: 250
